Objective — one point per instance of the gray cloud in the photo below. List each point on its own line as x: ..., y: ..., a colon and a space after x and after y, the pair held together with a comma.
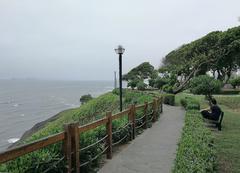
x: 57, y: 39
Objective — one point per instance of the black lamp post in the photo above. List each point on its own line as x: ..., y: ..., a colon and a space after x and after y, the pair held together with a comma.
x: 120, y: 50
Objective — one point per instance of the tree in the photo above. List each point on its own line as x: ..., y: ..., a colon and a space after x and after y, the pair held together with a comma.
x: 139, y: 73
x: 85, y: 98
x: 160, y: 82
x: 141, y: 86
x: 142, y: 71
x: 206, y: 85
x: 218, y: 52
x: 133, y: 83
x: 235, y: 82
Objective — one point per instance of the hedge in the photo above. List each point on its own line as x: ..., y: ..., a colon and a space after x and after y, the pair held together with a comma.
x: 169, y: 99
x: 195, y: 150
x: 229, y: 92
x: 190, y: 104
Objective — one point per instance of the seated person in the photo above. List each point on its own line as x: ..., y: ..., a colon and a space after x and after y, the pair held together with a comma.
x: 213, y: 113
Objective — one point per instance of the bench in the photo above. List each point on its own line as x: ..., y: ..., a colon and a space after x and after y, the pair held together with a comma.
x: 218, y: 123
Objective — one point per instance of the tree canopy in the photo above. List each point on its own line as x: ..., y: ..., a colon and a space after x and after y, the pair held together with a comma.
x: 141, y: 72
x: 217, y: 52
x: 206, y: 85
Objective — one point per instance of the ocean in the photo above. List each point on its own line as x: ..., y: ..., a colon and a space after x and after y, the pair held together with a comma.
x: 23, y: 103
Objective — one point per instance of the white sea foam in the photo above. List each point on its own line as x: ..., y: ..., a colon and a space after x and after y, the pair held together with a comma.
x: 12, y: 140
x: 15, y: 105
x: 109, y: 87
x: 22, y: 115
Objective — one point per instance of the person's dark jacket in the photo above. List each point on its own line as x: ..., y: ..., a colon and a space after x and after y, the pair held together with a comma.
x: 215, y: 112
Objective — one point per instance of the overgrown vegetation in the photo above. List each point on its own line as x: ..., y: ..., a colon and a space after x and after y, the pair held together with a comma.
x: 47, y: 157
x: 195, y: 151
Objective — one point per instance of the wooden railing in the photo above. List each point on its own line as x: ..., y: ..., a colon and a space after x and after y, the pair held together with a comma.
x: 71, y: 135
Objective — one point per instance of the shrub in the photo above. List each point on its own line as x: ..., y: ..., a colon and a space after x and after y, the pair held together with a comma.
x: 183, y: 102
x: 195, y: 152
x: 160, y: 82
x: 117, y: 91
x: 167, y: 88
x: 133, y: 83
x: 229, y: 92
x: 190, y: 103
x: 169, y: 99
x: 85, y: 98
x: 205, y: 85
x: 235, y: 82
x: 141, y: 86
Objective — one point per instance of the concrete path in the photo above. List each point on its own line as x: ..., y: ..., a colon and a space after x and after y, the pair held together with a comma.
x: 154, y: 150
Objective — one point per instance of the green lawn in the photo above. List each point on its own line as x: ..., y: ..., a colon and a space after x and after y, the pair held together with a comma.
x: 227, y: 141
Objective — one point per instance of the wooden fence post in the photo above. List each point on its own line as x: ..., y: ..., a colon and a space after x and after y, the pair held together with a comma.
x: 133, y: 121
x: 130, y: 121
x: 154, y: 110
x: 75, y: 146
x: 161, y: 104
x: 146, y: 115
x: 67, y: 147
x: 158, y: 107
x: 109, y: 133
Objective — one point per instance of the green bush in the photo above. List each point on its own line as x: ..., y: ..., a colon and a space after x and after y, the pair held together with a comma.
x: 117, y: 91
x: 167, y: 88
x: 160, y: 82
x: 195, y: 152
x: 85, y: 98
x: 169, y: 99
x: 190, y: 103
x: 206, y: 85
x: 235, y: 82
x: 229, y: 92
x: 141, y: 86
x: 133, y: 83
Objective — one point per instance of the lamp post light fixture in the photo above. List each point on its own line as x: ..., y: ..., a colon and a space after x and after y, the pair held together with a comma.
x: 120, y: 50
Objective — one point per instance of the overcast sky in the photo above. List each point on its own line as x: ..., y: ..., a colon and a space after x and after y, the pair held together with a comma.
x: 75, y: 39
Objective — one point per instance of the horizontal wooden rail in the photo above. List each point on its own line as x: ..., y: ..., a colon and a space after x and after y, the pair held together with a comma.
x: 92, y: 125
x: 140, y: 106
x: 120, y: 114
x: 27, y: 148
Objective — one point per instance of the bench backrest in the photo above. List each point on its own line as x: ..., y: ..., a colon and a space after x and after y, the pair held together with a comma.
x: 221, y: 117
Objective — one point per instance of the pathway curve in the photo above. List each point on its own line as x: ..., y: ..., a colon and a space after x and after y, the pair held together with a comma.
x: 154, y: 150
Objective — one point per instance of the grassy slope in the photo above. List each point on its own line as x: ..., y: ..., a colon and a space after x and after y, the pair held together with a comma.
x: 97, y: 108
x: 227, y: 141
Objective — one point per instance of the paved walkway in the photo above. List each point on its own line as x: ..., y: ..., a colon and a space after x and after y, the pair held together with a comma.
x: 154, y: 150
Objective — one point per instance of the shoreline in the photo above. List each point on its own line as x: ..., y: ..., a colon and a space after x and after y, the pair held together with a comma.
x: 38, y: 126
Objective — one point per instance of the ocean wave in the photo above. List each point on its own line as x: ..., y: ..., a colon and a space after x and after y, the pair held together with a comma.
x: 16, y: 105
x: 6, y: 102
x: 12, y: 140
x: 71, y: 105
x: 109, y: 87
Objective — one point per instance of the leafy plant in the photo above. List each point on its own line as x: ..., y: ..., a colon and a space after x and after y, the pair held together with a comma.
x: 235, y: 82
x: 169, y: 99
x: 141, y: 86
x: 205, y: 85
x: 85, y: 98
x: 195, y: 151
